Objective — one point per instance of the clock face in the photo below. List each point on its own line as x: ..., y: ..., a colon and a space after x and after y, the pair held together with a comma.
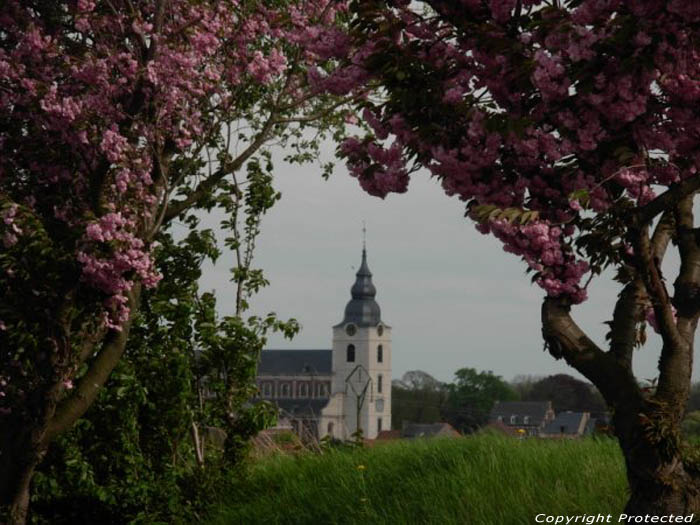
x: 380, y: 330
x: 350, y: 329
x: 380, y: 405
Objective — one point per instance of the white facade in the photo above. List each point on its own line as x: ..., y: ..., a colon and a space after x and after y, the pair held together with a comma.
x: 362, y: 373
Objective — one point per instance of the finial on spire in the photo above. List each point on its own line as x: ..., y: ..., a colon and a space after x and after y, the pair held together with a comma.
x: 364, y: 236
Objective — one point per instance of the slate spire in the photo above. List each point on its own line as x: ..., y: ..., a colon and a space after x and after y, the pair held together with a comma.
x: 362, y: 309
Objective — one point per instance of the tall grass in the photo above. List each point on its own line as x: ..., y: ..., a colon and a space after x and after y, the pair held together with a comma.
x: 483, y: 479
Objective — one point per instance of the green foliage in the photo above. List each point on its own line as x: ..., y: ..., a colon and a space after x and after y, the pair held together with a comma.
x: 479, y: 480
x: 129, y: 459
x: 126, y: 460
x: 472, y: 396
x: 489, y: 212
x: 132, y: 458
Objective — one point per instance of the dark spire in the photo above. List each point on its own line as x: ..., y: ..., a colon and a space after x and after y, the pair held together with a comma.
x: 363, y: 287
x: 362, y: 309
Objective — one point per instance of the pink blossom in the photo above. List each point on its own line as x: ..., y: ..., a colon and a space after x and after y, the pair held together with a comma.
x: 113, y: 144
x: 9, y: 239
x: 452, y: 96
x: 86, y: 6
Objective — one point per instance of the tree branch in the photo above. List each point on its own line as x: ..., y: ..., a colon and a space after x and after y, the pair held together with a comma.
x: 629, y: 307
x: 73, y: 407
x: 686, y: 287
x: 651, y: 276
x: 204, y: 187
x: 316, y: 116
x: 675, y: 363
x: 564, y: 338
x: 623, y: 329
x: 667, y: 200
x: 662, y: 235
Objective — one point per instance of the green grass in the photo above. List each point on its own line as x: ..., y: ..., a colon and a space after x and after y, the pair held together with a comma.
x: 482, y: 479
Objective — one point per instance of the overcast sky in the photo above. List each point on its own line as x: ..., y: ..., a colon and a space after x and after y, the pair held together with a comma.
x: 452, y: 295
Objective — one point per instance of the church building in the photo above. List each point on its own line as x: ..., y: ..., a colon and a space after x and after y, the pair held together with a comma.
x: 339, y: 391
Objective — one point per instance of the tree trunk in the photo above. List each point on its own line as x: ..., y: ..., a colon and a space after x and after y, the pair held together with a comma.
x: 647, y: 424
x: 21, y: 453
x: 661, y: 481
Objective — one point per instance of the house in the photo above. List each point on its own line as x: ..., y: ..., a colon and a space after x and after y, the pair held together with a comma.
x: 426, y: 430
x: 568, y: 425
x: 530, y: 416
x: 500, y: 428
x: 322, y: 392
x: 388, y: 435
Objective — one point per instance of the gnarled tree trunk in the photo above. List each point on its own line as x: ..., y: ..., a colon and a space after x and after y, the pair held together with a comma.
x: 661, y: 481
x: 645, y: 421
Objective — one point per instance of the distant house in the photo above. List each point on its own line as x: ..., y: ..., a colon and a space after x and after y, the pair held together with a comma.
x: 531, y: 416
x: 497, y: 426
x: 568, y: 425
x: 421, y: 430
x: 388, y: 435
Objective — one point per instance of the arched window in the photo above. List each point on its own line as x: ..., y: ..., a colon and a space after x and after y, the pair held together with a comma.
x: 322, y: 392
x: 285, y: 390
x: 513, y: 420
x: 380, y: 354
x: 303, y: 390
x: 267, y: 389
x: 526, y: 420
x: 379, y: 384
x: 351, y: 354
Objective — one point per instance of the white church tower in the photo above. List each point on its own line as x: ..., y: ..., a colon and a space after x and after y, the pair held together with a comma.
x: 362, y: 360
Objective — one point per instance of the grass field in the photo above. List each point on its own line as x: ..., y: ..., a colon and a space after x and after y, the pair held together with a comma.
x: 483, y: 479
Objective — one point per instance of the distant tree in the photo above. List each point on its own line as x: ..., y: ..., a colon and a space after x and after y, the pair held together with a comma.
x: 472, y: 396
x: 566, y: 393
x: 417, y: 397
x: 694, y: 398
x: 523, y: 383
x: 419, y: 380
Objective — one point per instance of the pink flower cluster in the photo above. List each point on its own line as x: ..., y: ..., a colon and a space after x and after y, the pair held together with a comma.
x: 113, y: 144
x: 94, y: 131
x: 550, y: 76
x: 12, y: 229
x: 540, y: 245
x: 380, y: 170
x: 636, y: 182
x: 112, y: 273
x: 524, y: 119
x: 263, y: 68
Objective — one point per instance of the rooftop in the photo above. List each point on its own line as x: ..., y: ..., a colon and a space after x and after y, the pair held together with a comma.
x: 295, y: 362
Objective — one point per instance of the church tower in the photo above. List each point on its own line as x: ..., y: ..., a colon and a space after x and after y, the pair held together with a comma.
x: 362, y: 360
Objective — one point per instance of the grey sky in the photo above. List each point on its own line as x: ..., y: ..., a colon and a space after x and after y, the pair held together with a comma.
x: 453, y: 297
